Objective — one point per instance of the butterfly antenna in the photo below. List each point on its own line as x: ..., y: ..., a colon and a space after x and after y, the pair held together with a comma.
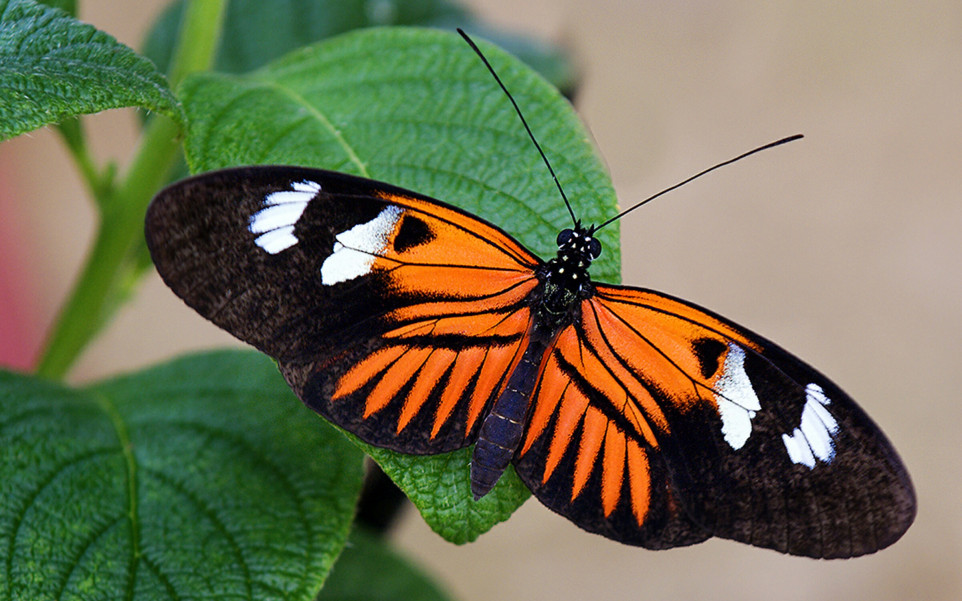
x: 517, y: 109
x: 699, y: 174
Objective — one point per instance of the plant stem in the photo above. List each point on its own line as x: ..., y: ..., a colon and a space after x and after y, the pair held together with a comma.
x: 98, y: 291
x: 88, y: 308
x: 98, y: 184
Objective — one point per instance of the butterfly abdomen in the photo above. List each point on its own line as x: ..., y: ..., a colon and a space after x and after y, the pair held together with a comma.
x: 564, y: 281
x: 503, y: 427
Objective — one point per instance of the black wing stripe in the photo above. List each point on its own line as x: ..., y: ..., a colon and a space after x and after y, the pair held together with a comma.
x: 599, y: 399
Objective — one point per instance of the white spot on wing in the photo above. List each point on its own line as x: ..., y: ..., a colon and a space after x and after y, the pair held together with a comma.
x: 798, y: 450
x: 276, y: 216
x: 356, y: 249
x: 813, y: 438
x: 275, y: 222
x: 736, y: 398
x: 274, y: 241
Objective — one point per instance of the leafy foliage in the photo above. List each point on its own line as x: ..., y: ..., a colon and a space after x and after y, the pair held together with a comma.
x: 415, y: 108
x: 125, y: 488
x: 440, y: 487
x: 53, y: 67
x: 296, y: 23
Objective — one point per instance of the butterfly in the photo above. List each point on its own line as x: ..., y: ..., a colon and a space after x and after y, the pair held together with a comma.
x: 422, y: 328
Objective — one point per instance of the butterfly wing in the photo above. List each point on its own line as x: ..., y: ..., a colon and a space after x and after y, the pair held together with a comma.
x: 395, y: 316
x: 663, y: 424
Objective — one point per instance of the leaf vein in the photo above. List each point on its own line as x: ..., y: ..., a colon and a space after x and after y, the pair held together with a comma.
x: 30, y: 499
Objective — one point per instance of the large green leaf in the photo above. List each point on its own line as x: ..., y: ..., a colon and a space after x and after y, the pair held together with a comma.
x: 415, y: 108
x: 203, y: 478
x: 257, y: 32
x: 53, y: 67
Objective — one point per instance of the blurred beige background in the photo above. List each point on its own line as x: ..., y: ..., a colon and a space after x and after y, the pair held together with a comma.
x: 844, y: 248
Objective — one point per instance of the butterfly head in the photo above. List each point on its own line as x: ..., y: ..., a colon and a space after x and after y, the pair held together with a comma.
x: 577, y: 248
x: 579, y: 241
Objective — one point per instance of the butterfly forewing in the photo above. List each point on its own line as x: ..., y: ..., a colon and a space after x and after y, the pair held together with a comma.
x: 393, y: 315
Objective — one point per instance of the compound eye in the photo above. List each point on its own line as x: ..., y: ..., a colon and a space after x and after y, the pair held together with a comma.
x: 564, y: 236
x: 594, y: 248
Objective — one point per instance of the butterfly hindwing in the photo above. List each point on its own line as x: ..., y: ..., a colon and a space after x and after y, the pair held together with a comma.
x: 739, y: 439
x: 393, y: 315
x: 594, y: 458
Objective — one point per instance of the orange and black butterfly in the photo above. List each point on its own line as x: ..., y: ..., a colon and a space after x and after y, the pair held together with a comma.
x: 424, y: 329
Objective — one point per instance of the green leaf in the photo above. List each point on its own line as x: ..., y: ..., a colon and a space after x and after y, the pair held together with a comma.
x: 68, y: 6
x: 416, y: 108
x: 202, y: 478
x: 397, y: 579
x: 550, y: 61
x: 257, y: 32
x: 53, y: 67
x: 440, y: 488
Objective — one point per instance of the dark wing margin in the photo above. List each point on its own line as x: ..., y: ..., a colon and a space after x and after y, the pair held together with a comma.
x: 743, y: 440
x: 392, y: 314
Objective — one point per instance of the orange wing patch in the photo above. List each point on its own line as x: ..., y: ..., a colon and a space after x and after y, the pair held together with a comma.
x: 574, y: 404
x: 612, y: 468
x: 457, y: 325
x: 430, y: 373
x: 659, y: 337
x: 393, y: 379
x: 436, y: 342
x: 393, y: 367
x: 479, y: 243
x: 459, y: 378
x: 639, y: 481
x: 601, y: 401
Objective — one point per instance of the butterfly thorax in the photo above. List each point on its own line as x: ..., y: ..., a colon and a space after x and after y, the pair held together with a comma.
x: 564, y: 282
x: 565, y: 277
